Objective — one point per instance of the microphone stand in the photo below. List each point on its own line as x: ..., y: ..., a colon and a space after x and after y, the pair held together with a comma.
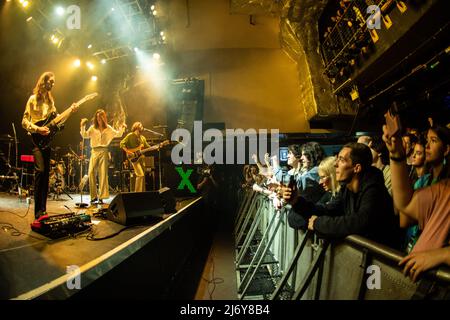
x: 81, y: 204
x: 159, y: 168
x: 18, y: 184
x: 159, y: 156
x: 154, y: 132
x: 15, y: 142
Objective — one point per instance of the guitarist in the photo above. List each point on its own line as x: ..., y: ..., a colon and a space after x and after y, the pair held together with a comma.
x: 132, y: 141
x: 39, y: 106
x: 101, y: 135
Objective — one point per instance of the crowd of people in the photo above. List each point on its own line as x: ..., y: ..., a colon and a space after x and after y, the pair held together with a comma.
x: 391, y: 189
x: 394, y: 189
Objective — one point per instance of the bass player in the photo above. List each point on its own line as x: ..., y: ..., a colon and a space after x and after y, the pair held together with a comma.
x: 132, y: 144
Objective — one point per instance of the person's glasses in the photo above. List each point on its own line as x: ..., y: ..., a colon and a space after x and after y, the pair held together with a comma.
x: 323, y: 178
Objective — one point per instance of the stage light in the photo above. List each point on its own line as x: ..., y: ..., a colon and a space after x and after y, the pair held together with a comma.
x: 156, y: 56
x: 29, y: 19
x: 103, y: 61
x: 149, y: 65
x: 163, y: 37
x: 25, y: 4
x: 59, y: 11
x: 90, y: 65
x: 136, y: 49
x: 89, y: 46
x: 155, y: 12
x: 434, y: 65
x: 161, y: 33
x: 112, y: 9
x: 77, y: 63
x: 94, y: 78
x: 152, y: 7
x: 55, y: 40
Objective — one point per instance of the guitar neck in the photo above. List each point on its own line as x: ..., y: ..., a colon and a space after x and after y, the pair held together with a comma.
x: 66, y: 113
x: 155, y: 147
x: 63, y: 116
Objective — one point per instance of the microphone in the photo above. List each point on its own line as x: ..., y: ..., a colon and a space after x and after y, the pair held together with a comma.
x: 154, y: 132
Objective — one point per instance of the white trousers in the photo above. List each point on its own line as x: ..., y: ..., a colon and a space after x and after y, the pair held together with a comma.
x: 99, y: 164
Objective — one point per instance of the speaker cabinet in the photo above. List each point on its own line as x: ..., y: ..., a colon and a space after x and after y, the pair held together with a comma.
x: 135, y: 207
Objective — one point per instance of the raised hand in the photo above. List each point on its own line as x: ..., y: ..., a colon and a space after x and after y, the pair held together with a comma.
x: 393, y: 144
x: 267, y: 159
x: 275, y: 163
x: 83, y: 122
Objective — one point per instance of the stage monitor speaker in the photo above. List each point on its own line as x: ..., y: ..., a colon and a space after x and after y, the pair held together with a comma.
x: 134, y: 207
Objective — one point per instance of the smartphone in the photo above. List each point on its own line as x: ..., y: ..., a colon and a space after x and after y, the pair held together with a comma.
x: 393, y: 121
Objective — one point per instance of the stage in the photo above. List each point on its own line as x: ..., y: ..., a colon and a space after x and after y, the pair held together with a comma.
x: 35, y: 267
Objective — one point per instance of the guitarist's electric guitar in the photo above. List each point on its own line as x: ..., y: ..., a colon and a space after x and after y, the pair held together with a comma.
x: 136, y: 153
x: 55, y: 124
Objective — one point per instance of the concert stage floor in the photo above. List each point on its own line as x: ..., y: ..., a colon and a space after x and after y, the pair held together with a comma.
x: 33, y: 266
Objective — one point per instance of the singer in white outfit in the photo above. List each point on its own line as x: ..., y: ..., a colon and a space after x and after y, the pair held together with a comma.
x: 101, y: 135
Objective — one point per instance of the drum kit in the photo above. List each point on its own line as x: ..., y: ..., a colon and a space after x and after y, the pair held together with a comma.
x: 65, y: 171
x: 9, y: 171
x: 57, y: 181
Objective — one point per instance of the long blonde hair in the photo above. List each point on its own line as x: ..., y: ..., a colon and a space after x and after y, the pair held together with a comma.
x: 327, y: 167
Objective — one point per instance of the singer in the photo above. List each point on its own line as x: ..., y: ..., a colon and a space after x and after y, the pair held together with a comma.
x: 101, y: 135
x: 134, y: 141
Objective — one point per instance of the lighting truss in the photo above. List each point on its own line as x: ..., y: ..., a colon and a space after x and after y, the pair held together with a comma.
x: 37, y: 11
x: 141, y: 22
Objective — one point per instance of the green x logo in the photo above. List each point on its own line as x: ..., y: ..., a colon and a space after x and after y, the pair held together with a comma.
x: 185, y: 179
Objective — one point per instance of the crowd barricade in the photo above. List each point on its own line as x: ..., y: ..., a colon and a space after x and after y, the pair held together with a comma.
x: 275, y: 261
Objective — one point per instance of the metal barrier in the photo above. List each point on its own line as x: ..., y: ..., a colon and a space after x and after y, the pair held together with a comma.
x: 298, y: 265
